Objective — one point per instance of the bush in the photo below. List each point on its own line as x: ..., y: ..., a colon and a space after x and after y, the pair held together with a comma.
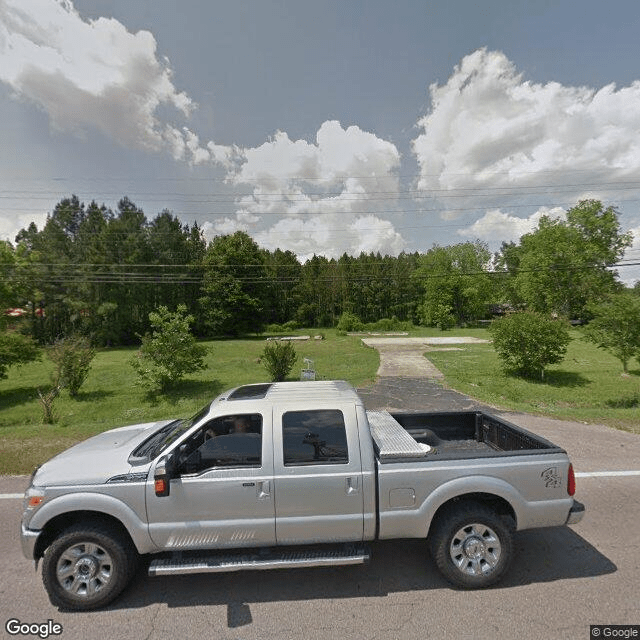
x: 169, y: 352
x: 389, y: 324
x: 46, y: 402
x: 278, y: 358
x: 287, y: 327
x: 349, y: 322
x: 16, y: 349
x: 528, y: 342
x: 72, y: 358
x: 434, y: 313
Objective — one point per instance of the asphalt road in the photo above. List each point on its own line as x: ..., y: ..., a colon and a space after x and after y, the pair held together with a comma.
x: 562, y: 580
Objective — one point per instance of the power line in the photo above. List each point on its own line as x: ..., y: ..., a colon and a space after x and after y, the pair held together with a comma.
x: 133, y: 277
x: 376, y: 211
x: 213, y: 178
x: 296, y: 196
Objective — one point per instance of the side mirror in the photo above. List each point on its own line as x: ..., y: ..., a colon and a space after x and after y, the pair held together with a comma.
x: 165, y: 470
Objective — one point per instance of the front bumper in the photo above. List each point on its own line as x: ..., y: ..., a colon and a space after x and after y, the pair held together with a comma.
x: 28, y: 539
x: 576, y: 513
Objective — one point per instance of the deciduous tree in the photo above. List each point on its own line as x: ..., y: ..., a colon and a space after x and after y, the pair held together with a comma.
x: 456, y: 284
x: 616, y: 326
x: 563, y: 264
x: 234, y: 286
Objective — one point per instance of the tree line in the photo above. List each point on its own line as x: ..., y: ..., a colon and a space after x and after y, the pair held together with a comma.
x: 98, y: 272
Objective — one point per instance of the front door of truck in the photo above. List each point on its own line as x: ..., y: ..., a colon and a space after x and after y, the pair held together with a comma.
x: 318, y: 475
x: 222, y: 496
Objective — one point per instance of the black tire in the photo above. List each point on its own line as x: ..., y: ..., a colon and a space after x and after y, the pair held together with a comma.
x: 472, y: 545
x: 87, y: 567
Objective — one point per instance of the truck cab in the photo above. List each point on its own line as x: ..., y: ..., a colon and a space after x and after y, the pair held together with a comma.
x: 308, y: 480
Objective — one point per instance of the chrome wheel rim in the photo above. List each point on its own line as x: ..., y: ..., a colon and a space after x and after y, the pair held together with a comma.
x: 475, y: 550
x: 84, y: 569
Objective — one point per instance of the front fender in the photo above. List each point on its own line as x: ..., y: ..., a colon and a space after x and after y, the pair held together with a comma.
x: 98, y: 503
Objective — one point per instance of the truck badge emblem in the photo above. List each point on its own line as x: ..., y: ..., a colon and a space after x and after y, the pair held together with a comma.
x: 551, y: 478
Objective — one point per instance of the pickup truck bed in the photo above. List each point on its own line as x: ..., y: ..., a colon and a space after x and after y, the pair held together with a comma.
x: 449, y: 436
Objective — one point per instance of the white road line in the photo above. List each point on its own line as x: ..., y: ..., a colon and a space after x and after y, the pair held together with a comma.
x: 11, y: 496
x: 606, y: 474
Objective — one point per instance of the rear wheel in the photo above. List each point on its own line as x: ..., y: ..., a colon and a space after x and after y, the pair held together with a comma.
x: 472, y: 545
x: 87, y: 567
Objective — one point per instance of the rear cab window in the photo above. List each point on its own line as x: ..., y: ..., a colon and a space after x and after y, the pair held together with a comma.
x: 314, y: 437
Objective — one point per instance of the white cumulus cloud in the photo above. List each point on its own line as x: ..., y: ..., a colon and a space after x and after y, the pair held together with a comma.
x: 93, y: 74
x: 324, y: 195
x: 508, y: 228
x: 489, y: 127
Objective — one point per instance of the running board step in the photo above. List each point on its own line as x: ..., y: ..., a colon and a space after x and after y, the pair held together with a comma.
x: 278, y: 558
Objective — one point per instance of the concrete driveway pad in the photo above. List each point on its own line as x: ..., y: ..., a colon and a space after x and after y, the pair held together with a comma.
x: 404, y: 357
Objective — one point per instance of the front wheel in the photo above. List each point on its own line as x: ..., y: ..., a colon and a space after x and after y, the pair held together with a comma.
x: 87, y: 567
x: 472, y: 545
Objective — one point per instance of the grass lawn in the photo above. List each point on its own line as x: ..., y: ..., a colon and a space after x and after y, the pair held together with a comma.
x: 587, y: 386
x: 109, y: 398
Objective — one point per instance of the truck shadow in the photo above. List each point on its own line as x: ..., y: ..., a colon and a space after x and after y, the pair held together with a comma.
x: 542, y: 555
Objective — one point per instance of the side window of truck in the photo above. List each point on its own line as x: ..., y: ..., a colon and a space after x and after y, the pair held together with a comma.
x: 229, y: 441
x: 314, y: 437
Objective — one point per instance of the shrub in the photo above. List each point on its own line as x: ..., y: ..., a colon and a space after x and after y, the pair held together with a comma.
x: 278, y: 357
x: 16, y: 349
x: 46, y: 403
x: 389, y: 324
x: 349, y: 322
x: 287, y: 327
x: 437, y: 313
x: 72, y: 358
x: 528, y: 342
x: 170, y: 351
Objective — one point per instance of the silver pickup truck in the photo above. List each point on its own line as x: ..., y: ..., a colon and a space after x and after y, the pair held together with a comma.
x: 289, y: 475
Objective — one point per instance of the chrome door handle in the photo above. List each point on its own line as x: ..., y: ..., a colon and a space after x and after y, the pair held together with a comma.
x: 352, y: 485
x: 264, y: 490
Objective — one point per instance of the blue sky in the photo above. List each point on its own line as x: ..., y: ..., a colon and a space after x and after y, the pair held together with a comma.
x: 325, y: 126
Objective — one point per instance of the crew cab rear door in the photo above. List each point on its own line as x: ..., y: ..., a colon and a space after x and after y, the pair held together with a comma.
x: 317, y: 475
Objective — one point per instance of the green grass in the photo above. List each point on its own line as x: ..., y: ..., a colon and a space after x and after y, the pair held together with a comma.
x: 587, y: 386
x: 110, y: 398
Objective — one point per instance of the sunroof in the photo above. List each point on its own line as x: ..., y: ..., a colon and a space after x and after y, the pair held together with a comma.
x: 250, y: 391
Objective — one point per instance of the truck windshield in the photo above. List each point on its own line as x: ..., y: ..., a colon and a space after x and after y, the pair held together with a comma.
x: 159, y: 441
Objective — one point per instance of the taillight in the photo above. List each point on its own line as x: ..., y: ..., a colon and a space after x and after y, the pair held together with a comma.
x: 571, y: 481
